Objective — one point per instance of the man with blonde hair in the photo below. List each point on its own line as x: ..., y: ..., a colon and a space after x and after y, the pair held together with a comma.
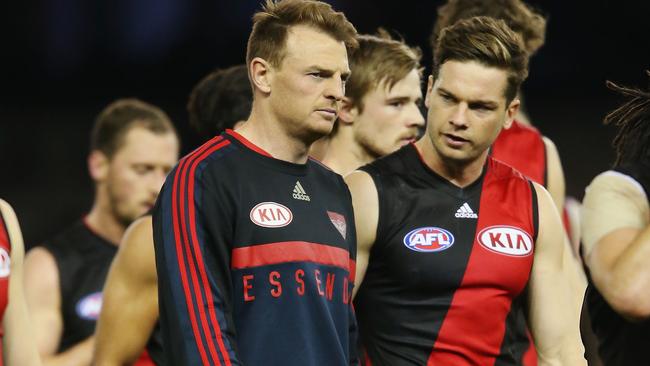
x: 452, y: 242
x: 380, y: 112
x: 255, y: 243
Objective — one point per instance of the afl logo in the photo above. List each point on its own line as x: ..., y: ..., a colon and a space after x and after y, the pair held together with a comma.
x: 271, y: 214
x: 90, y: 306
x: 5, y: 263
x: 507, y: 240
x: 429, y: 239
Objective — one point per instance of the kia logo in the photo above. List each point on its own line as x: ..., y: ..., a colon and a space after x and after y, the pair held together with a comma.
x: 271, y: 214
x: 507, y: 240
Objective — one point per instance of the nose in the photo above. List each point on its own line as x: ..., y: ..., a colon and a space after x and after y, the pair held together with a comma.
x: 459, y: 116
x: 415, y: 117
x: 335, y: 89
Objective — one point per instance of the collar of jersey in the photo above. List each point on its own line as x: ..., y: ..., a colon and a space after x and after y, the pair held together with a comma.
x: 263, y: 156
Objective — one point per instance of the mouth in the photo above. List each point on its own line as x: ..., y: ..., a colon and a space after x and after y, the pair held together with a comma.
x: 408, y: 139
x: 328, y: 113
x: 454, y: 140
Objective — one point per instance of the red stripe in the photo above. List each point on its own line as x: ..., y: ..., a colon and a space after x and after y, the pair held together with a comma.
x: 247, y: 143
x: 181, y: 265
x: 473, y: 329
x: 290, y: 251
x: 4, y: 235
x: 199, y: 258
x: 180, y: 245
x: 184, y: 246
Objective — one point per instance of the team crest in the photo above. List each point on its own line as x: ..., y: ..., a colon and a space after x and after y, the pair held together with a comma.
x: 429, y: 239
x: 339, y: 223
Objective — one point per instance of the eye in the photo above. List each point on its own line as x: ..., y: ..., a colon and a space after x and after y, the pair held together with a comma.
x: 397, y: 103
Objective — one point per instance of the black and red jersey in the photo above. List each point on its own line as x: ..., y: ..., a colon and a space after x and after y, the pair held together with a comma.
x: 522, y: 147
x: 5, y: 272
x: 448, y: 271
x: 255, y: 259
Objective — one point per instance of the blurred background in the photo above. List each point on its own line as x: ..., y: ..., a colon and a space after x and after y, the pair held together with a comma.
x: 63, y: 60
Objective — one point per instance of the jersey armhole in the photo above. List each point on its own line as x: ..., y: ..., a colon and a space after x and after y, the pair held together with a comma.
x: 380, y: 203
x: 535, y: 209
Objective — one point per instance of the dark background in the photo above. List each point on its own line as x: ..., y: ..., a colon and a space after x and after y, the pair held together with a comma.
x: 63, y: 60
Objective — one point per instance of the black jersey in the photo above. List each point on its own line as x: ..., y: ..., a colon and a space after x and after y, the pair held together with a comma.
x: 449, y: 267
x: 83, y: 259
x: 621, y: 342
x: 255, y: 259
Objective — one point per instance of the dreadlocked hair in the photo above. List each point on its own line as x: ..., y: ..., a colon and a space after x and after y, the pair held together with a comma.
x: 632, y: 142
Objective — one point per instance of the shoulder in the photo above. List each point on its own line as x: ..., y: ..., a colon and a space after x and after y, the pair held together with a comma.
x: 136, y: 250
x: 615, y: 181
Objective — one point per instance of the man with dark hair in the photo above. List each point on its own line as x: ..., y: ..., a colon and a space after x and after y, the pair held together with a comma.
x: 254, y: 242
x: 452, y: 242
x: 133, y: 146
x: 380, y: 112
x: 616, y: 237
x: 221, y: 100
x: 521, y: 145
x: 132, y: 278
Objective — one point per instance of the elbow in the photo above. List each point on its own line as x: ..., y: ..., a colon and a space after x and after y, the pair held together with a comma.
x: 630, y: 303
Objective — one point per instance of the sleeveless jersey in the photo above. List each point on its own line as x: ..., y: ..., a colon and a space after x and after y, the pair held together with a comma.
x: 5, y: 271
x: 621, y: 342
x: 83, y: 259
x: 449, y: 267
x: 256, y: 258
x: 522, y: 147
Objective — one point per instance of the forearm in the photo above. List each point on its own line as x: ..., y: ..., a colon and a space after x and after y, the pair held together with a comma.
x: 78, y: 355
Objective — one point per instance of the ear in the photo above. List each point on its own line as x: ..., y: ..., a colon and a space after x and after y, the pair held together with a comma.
x: 511, y: 112
x: 427, y: 96
x: 348, y: 113
x: 260, y: 71
x: 98, y: 165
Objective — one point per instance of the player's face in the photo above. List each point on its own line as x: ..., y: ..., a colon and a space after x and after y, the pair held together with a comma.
x: 390, y: 117
x: 137, y: 172
x: 308, y: 87
x: 467, y: 110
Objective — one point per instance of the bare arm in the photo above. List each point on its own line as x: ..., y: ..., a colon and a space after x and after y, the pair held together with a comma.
x: 132, y: 280
x: 617, y: 243
x: 555, y: 182
x: 18, y: 342
x: 366, y: 215
x: 552, y: 319
x: 43, y: 296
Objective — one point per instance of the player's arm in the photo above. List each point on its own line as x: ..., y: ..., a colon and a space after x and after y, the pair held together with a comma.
x: 43, y: 295
x: 365, y: 202
x: 555, y: 183
x: 130, y: 299
x: 616, y: 236
x: 18, y: 343
x: 552, y: 321
x: 193, y: 225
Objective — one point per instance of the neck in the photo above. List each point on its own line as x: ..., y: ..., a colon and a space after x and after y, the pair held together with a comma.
x: 344, y: 155
x: 266, y: 132
x: 460, y: 174
x: 102, y: 221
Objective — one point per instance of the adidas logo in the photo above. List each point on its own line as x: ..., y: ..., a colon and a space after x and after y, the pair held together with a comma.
x: 299, y: 192
x: 465, y: 212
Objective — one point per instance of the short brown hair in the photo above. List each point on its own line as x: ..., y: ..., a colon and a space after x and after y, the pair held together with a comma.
x: 487, y: 41
x: 220, y: 100
x: 379, y: 59
x: 271, y: 26
x: 519, y: 16
x: 119, y: 117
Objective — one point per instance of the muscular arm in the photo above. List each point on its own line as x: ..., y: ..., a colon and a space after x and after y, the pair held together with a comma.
x: 366, y: 215
x: 43, y: 296
x: 18, y: 342
x: 552, y: 320
x: 617, y: 244
x: 132, y: 279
